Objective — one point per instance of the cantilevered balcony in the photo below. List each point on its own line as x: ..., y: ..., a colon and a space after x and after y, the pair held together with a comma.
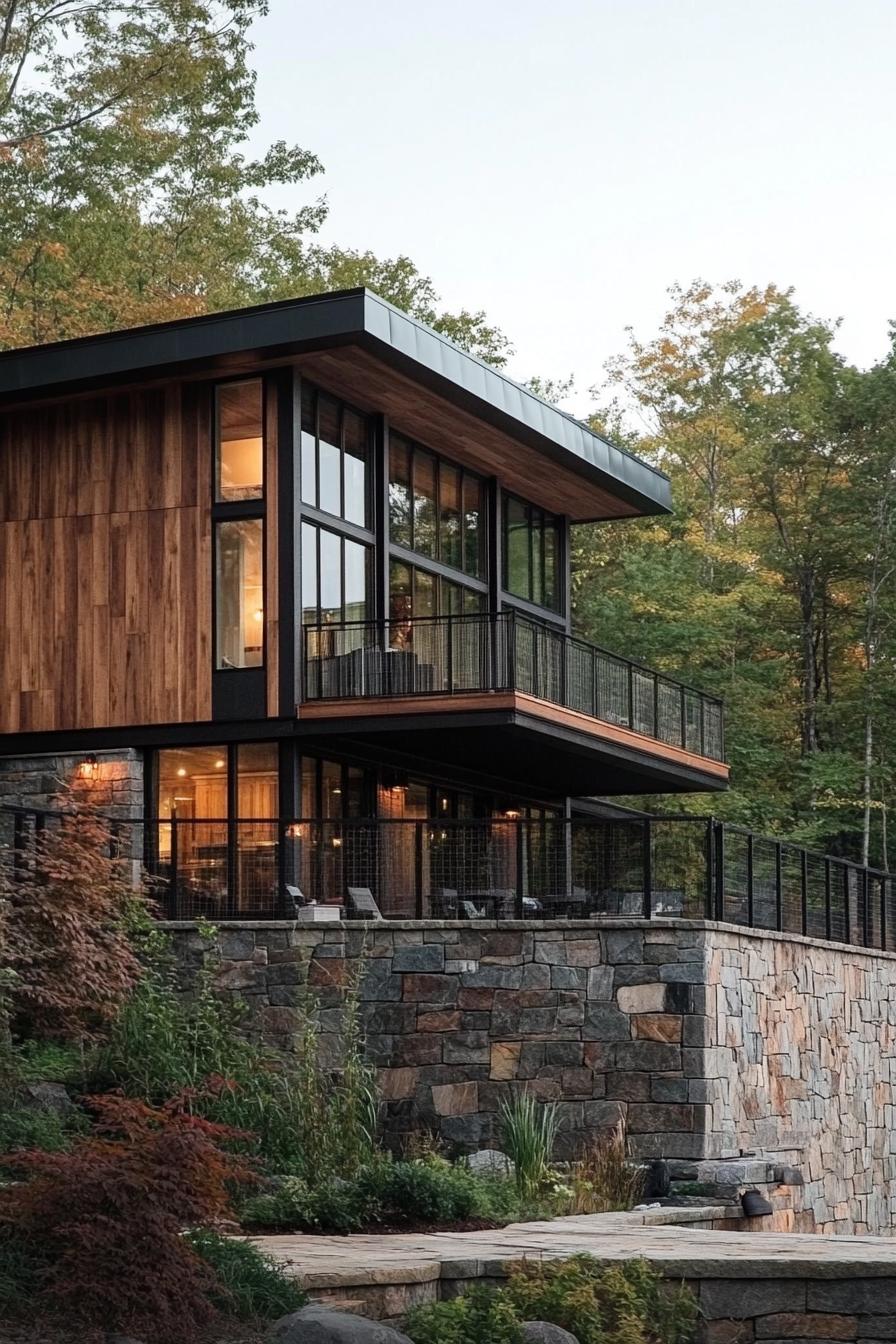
x: 643, y: 730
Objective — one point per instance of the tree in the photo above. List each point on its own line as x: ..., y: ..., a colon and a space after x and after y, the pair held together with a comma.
x: 126, y: 194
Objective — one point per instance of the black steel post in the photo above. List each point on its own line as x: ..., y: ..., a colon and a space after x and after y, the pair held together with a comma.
x: 866, y: 909
x: 720, y: 870
x: 172, y: 875
x: 779, y: 889
x: 847, y: 918
x: 647, y: 863
x: 418, y: 868
x: 804, y: 891
x: 520, y: 868
x: 827, y: 898
x: 750, y: 902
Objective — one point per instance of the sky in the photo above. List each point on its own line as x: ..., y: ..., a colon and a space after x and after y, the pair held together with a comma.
x: 560, y: 164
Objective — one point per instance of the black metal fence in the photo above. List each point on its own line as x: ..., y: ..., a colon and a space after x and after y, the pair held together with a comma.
x: 686, y: 867
x: 451, y: 655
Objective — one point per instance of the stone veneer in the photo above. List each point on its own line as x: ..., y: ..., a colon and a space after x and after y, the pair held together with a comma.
x: 706, y: 1040
x: 39, y: 781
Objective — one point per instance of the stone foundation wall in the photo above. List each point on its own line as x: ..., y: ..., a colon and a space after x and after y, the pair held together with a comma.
x: 40, y: 781
x: 706, y: 1041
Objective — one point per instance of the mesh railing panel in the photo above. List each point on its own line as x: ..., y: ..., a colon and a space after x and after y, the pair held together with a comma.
x: 507, y: 651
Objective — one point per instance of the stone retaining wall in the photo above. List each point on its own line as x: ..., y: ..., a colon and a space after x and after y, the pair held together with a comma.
x: 705, y: 1040
x: 40, y: 780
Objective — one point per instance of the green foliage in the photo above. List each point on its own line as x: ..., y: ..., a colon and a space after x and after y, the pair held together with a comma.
x: 626, y: 1303
x: 629, y: 1303
x: 426, y: 1190
x: 52, y: 1062
x: 479, y: 1317
x: 250, y: 1285
x: 529, y: 1131
x: 303, y: 1118
x: 29, y: 1127
x: 603, y: 1179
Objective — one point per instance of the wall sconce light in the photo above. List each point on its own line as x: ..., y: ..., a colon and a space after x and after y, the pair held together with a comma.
x: 336, y: 842
x: 294, y: 831
x: 512, y: 814
x: 89, y: 768
x: 395, y: 780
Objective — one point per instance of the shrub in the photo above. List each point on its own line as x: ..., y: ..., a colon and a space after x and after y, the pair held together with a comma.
x: 67, y: 962
x: 481, y: 1316
x: 28, y: 1127
x: 249, y: 1284
x: 627, y: 1303
x: 603, y: 1179
x: 529, y: 1131
x: 96, y: 1233
x: 302, y: 1118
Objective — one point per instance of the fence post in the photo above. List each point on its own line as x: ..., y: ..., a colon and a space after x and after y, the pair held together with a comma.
x: 883, y: 912
x: 647, y: 861
x: 684, y: 719
x: 710, y: 866
x: 866, y: 909
x: 847, y: 927
x: 418, y: 869
x: 449, y: 652
x: 827, y: 898
x: 720, y: 870
x: 779, y: 888
x: 804, y: 891
x: 750, y: 903
x: 172, y: 876
x: 631, y: 696
x: 520, y: 862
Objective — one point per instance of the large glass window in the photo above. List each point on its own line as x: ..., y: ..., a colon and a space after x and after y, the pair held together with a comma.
x: 435, y: 509
x: 239, y: 593
x: 414, y: 593
x: 192, y: 782
x: 335, y: 455
x: 239, y: 440
x: 531, y: 554
x: 335, y: 577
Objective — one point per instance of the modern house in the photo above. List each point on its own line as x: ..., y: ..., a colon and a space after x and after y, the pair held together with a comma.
x: 300, y: 575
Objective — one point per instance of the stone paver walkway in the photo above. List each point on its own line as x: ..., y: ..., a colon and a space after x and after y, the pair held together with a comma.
x: 320, y: 1262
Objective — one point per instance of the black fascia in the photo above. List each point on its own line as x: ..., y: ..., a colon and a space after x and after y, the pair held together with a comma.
x: 350, y: 317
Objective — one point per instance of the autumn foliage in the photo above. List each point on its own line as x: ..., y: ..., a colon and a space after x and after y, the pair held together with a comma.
x: 100, y: 1228
x: 67, y: 960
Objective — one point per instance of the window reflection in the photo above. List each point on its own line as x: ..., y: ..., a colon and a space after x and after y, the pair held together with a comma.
x: 435, y: 508
x: 531, y: 553
x: 240, y: 441
x: 239, y: 593
x: 335, y: 454
x: 335, y: 577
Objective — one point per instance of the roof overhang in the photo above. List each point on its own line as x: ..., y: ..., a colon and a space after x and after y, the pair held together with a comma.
x: 352, y: 318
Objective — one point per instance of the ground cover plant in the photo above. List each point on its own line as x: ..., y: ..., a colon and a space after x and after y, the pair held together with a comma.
x: 628, y: 1303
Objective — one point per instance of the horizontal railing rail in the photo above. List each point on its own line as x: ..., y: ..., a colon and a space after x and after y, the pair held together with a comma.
x: 506, y: 651
x: 497, y: 868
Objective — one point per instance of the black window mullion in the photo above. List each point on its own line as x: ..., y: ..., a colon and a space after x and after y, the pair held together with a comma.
x: 342, y: 460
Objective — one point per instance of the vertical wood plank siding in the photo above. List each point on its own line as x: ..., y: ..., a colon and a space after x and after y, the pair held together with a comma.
x: 105, y: 547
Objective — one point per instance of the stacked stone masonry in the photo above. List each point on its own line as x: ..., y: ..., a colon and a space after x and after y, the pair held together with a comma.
x: 706, y: 1041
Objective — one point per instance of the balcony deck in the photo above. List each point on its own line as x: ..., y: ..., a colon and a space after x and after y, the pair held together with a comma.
x: 615, y: 724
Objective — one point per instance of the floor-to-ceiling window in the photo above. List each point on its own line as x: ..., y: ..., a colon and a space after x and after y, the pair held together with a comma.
x: 239, y: 525
x: 532, y: 554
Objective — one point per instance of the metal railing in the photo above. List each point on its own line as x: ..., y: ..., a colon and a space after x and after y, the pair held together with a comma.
x: 685, y: 867
x: 506, y: 651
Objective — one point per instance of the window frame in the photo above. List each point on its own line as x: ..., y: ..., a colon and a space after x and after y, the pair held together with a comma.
x: 557, y: 524
x: 234, y: 510
x: 436, y: 562
x: 313, y: 506
x: 367, y: 542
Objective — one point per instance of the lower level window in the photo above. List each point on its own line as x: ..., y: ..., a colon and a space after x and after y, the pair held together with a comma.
x: 239, y: 593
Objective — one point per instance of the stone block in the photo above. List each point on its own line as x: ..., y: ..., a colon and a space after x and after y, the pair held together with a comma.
x: 397, y: 1083
x: 600, y: 983
x: 628, y: 1086
x: 467, y: 1047
x: 576, y: 1083
x: 378, y: 983
x: 647, y: 1118
x: 602, y: 1114
x: 448, y: 1020
x: 504, y: 946
x: 853, y: 1296
x: 236, y: 944
x: 536, y: 976
x: 669, y: 1090
x: 242, y: 975
x: 727, y: 1332
x: 456, y: 1099
x: 603, y: 1022
x: 431, y: 989
x: 418, y: 1049
x: 683, y: 973
x: 567, y: 1054
x: 648, y: 1056
x: 657, y: 1027
x: 736, y: 1299
x: 467, y: 1132
x: 585, y: 952
x: 505, y: 1060
x: 419, y: 957
x: 639, y: 999
x: 876, y: 1327
x: 624, y: 945
x: 493, y: 977
x: 806, y: 1325
x: 476, y: 999
x: 569, y: 977
x: 331, y: 973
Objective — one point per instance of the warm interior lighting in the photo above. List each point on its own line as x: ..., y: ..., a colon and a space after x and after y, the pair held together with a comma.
x: 512, y: 814
x: 294, y: 831
x: 181, y: 774
x: 259, y: 614
x: 89, y: 768
x: 219, y: 765
x: 336, y: 842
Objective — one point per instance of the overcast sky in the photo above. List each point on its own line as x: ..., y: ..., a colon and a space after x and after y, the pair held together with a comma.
x: 559, y: 163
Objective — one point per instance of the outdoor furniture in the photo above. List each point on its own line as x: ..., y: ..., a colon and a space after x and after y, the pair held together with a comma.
x: 362, y: 904
x: 471, y: 911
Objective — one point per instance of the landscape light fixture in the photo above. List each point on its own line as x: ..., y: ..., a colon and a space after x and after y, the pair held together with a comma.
x: 89, y: 768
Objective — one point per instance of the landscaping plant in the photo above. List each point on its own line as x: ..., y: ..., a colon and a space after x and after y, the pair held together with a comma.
x: 67, y: 962
x: 248, y: 1284
x: 603, y: 1179
x: 95, y: 1235
x: 628, y: 1303
x: 529, y: 1132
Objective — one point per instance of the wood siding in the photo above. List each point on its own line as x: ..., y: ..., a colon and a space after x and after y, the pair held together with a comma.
x: 105, y: 561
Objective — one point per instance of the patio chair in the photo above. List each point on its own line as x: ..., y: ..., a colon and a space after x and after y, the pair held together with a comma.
x: 295, y: 897
x: 362, y: 904
x: 470, y: 910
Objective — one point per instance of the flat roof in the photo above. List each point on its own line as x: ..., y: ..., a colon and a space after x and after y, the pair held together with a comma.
x: 355, y: 316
